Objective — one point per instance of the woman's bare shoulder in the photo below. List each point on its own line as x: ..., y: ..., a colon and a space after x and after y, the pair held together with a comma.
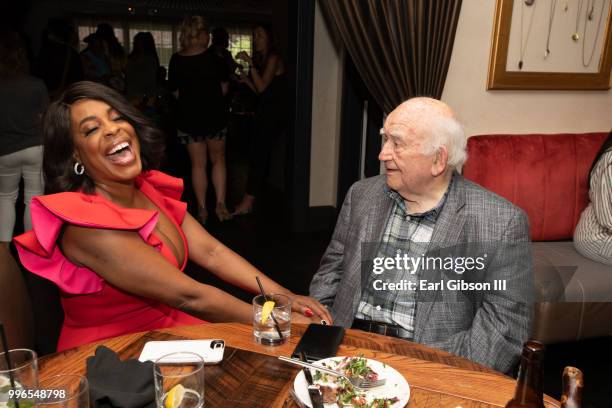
x: 81, y: 244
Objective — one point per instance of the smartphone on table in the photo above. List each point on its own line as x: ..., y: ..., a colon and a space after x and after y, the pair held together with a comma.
x: 319, y: 341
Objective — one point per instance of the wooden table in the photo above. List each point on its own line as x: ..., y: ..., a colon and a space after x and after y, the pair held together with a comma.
x: 250, y: 376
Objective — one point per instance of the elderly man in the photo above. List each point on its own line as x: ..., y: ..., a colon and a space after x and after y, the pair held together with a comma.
x: 376, y: 273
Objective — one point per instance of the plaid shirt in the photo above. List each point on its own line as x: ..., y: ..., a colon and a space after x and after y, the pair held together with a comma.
x: 411, y: 234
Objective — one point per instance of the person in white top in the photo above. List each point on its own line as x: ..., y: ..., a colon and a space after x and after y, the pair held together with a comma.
x: 593, y: 234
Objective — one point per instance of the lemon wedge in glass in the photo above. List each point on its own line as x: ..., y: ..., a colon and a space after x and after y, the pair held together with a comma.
x: 266, y: 310
x: 175, y: 396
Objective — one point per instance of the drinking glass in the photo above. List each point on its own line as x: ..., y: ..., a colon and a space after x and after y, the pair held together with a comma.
x: 63, y: 391
x: 179, y: 380
x: 24, y: 374
x: 265, y: 331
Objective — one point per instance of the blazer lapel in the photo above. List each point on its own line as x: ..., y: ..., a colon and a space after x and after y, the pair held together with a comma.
x: 376, y: 222
x: 447, y: 232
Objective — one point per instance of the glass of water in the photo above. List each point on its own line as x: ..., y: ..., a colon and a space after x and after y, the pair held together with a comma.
x: 63, y: 391
x: 19, y: 381
x: 264, y: 326
x: 179, y: 380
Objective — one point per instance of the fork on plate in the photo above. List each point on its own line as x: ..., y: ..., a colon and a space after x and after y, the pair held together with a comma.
x: 357, y: 382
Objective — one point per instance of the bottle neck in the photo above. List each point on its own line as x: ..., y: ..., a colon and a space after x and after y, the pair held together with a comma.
x: 571, y: 399
x: 529, y: 386
x: 572, y: 388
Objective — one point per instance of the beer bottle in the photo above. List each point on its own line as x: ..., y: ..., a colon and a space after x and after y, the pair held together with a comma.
x: 572, y: 388
x: 529, y: 393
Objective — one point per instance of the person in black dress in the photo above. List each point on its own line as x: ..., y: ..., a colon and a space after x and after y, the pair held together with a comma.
x: 199, y: 80
x: 267, y: 79
x: 141, y: 70
x: 220, y: 44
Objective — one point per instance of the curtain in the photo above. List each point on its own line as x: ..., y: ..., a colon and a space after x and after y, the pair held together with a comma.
x: 401, y: 48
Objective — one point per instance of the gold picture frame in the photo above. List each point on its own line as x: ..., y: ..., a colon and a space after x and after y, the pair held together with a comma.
x: 500, y: 78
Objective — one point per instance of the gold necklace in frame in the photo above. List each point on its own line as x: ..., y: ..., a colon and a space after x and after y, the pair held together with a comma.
x: 576, y: 36
x: 590, y: 11
x: 553, y: 6
x: 589, y: 16
x: 523, y: 45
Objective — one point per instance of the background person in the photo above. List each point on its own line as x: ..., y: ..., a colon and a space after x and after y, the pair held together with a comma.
x: 58, y: 63
x: 95, y: 61
x: 115, y: 55
x: 199, y: 80
x: 220, y: 44
x: 267, y: 79
x: 142, y: 70
x: 112, y: 234
x: 23, y: 99
x: 593, y: 234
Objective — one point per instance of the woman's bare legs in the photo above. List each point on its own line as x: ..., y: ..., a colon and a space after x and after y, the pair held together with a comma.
x: 216, y: 149
x: 245, y: 206
x: 199, y: 178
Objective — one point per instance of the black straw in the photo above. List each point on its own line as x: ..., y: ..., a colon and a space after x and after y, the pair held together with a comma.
x: 263, y: 293
x: 7, y: 357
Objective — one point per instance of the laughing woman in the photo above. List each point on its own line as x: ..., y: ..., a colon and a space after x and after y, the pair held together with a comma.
x: 112, y: 234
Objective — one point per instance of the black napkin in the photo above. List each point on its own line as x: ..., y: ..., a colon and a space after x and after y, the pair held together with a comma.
x: 119, y: 384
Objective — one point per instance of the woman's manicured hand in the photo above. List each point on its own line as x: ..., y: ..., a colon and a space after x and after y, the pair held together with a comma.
x: 310, y: 308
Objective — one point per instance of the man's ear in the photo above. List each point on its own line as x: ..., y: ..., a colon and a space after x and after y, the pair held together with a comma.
x: 440, y: 162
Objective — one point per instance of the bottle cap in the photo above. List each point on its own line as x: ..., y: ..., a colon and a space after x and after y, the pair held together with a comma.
x: 573, y: 372
x: 533, y: 350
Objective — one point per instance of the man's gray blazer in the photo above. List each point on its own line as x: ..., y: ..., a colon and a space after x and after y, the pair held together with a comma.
x: 487, y: 327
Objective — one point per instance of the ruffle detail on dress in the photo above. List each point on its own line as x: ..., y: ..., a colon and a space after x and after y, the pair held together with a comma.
x: 38, y: 249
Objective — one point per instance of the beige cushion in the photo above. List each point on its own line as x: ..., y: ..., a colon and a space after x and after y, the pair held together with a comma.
x: 581, y: 279
x: 574, y: 294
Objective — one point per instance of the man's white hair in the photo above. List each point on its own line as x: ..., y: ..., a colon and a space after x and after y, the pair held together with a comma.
x: 436, y: 121
x: 448, y: 132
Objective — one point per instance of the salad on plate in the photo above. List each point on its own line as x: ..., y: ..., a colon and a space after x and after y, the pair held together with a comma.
x: 338, y: 392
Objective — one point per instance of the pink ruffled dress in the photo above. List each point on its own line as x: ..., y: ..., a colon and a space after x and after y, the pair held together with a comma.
x: 93, y: 308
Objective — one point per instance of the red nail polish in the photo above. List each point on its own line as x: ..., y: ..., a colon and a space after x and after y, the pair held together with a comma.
x: 308, y: 313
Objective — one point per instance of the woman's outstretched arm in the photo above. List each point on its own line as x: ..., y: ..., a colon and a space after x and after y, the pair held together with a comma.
x: 212, y: 255
x: 122, y: 259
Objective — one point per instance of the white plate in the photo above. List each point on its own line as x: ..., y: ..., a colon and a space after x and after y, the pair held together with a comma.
x: 396, y: 385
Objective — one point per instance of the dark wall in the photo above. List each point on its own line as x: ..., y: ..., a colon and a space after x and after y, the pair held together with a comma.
x: 14, y: 13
